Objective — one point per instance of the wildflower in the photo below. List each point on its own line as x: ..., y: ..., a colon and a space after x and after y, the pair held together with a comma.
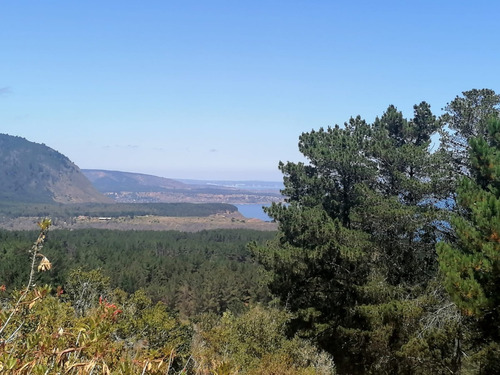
x: 44, y: 224
x: 44, y: 265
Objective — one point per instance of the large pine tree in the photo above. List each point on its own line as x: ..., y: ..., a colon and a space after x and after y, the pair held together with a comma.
x: 357, y: 240
x: 471, y: 264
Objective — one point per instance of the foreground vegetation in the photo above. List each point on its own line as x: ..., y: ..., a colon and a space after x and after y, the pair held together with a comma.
x: 387, y: 261
x: 173, y: 303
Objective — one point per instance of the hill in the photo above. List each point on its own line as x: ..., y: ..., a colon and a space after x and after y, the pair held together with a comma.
x: 142, y: 188
x: 114, y: 181
x: 34, y: 173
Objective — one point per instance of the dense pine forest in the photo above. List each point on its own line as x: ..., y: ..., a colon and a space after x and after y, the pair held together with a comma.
x: 386, y: 261
x: 68, y: 212
x: 190, y: 273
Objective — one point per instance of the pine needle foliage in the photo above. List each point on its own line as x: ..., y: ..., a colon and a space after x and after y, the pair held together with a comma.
x: 471, y: 264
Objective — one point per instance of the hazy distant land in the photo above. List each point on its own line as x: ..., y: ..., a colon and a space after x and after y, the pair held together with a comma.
x: 128, y: 187
x: 41, y: 182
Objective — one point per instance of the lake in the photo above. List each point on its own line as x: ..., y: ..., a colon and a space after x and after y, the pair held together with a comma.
x: 253, y: 211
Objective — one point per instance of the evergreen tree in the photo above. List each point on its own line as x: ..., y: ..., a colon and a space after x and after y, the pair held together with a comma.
x: 338, y: 163
x: 471, y: 263
x: 466, y: 117
x: 357, y: 236
x: 400, y: 212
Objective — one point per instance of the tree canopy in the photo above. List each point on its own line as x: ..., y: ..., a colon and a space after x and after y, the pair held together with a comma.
x: 355, y: 258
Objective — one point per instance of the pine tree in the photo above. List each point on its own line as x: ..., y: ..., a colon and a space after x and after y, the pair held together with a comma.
x: 466, y: 117
x: 471, y: 263
x: 399, y: 213
x: 356, y: 236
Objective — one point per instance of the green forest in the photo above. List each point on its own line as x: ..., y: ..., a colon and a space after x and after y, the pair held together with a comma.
x: 69, y: 211
x: 386, y: 261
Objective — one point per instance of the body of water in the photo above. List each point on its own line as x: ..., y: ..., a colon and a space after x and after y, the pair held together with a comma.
x: 253, y: 211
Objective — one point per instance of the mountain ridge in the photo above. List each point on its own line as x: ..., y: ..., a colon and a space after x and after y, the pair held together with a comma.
x: 35, y: 173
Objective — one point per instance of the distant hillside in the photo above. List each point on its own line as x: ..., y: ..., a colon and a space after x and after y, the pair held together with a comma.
x: 114, y: 181
x: 34, y: 173
x: 141, y: 188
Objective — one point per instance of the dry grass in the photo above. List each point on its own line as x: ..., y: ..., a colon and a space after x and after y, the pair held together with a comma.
x: 160, y: 223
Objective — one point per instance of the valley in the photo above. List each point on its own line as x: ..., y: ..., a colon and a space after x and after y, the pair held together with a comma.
x: 127, y: 187
x: 41, y: 182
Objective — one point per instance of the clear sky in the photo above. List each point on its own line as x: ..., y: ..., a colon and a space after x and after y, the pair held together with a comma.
x: 223, y: 89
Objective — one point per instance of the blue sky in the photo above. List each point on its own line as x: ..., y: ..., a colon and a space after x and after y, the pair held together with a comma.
x: 223, y: 89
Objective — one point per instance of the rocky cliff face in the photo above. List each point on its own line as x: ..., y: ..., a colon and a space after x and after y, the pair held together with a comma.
x: 32, y: 172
